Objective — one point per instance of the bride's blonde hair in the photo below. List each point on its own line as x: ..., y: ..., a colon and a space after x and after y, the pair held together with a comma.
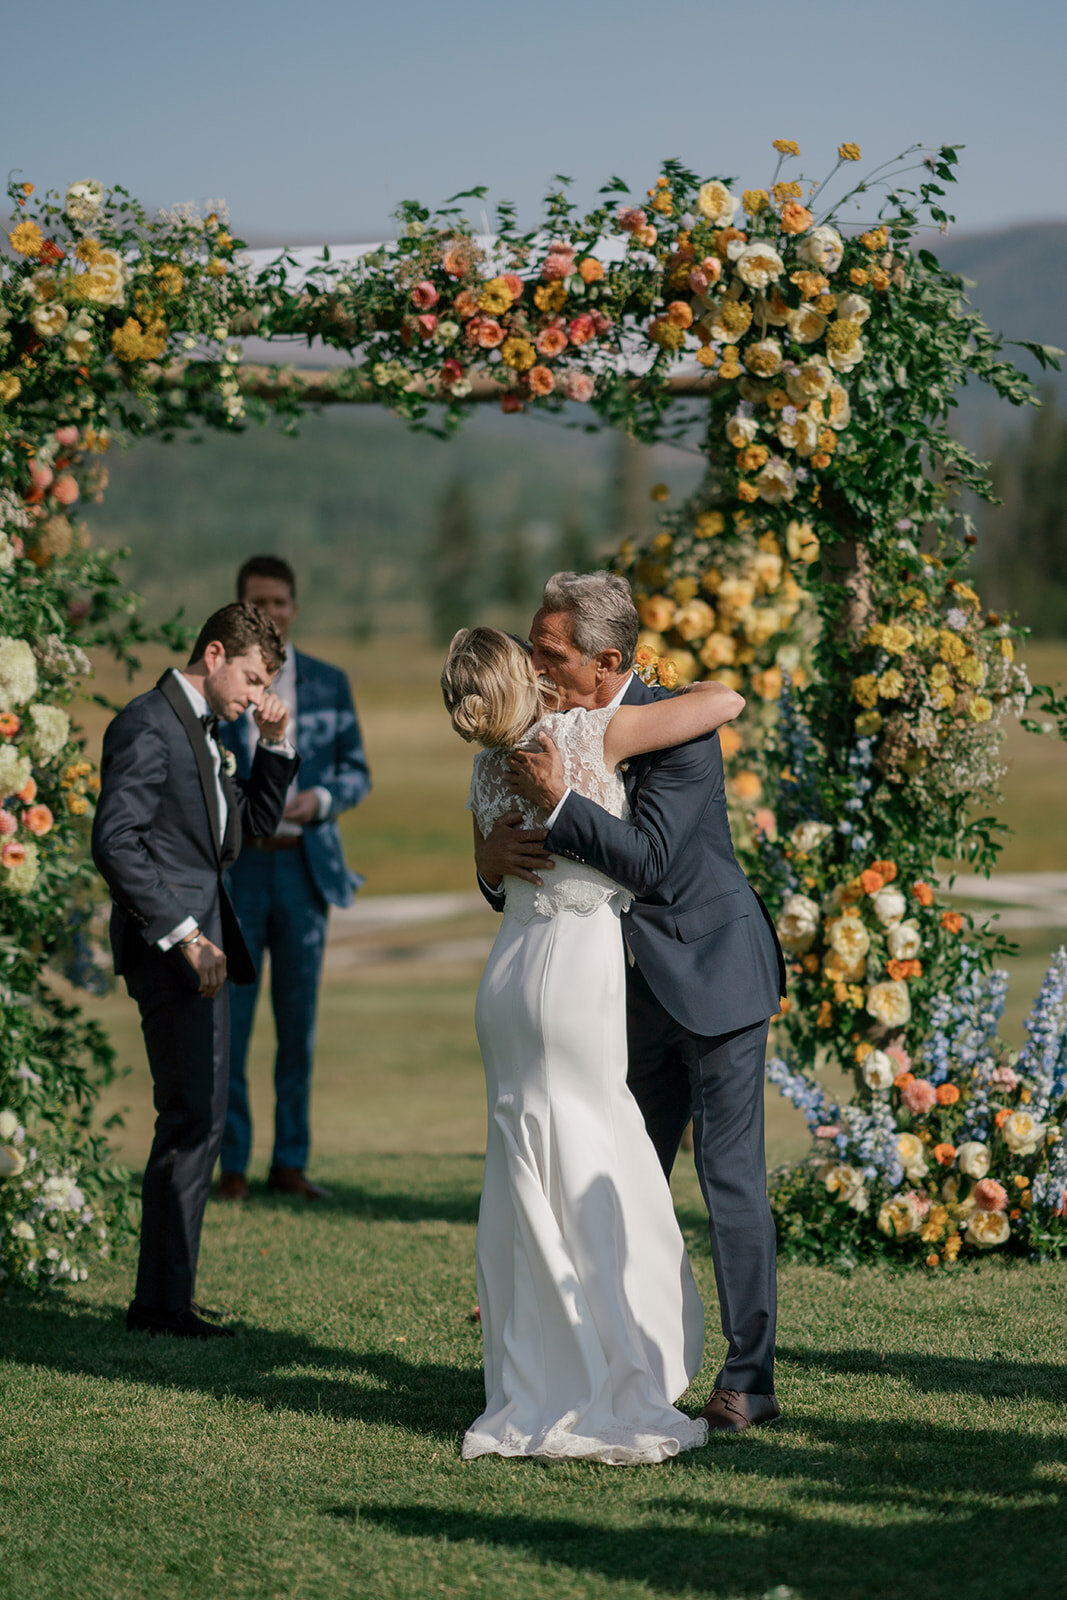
x: 491, y: 690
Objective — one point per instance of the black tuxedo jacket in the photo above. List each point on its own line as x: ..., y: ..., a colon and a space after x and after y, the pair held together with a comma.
x: 156, y: 836
x: 697, y: 929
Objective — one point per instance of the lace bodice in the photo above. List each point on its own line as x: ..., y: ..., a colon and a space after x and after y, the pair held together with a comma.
x: 570, y: 886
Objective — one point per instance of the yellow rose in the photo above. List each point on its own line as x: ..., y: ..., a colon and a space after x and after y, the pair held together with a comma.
x: 10, y: 387
x: 694, y: 620
x: 899, y: 1217
x: 685, y: 666
x: 987, y: 1229
x: 718, y: 650
x: 801, y: 435
x: 865, y: 690
x: 973, y: 671
x: 806, y: 324
x: 714, y: 201
x: 684, y: 589
x: 850, y: 939
x: 656, y: 611
x: 801, y: 542
x: 891, y: 685
x: 768, y: 684
x: 812, y: 381
x: 980, y: 709
x: 708, y: 524
x: 1022, y: 1133
x: 889, y: 1003
x: 49, y: 320
x: 760, y: 623
x: 758, y: 266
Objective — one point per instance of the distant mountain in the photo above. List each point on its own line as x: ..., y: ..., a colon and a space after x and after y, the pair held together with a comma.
x: 1020, y: 277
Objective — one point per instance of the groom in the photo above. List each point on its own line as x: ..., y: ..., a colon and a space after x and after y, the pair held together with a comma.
x: 168, y: 823
x: 705, y: 970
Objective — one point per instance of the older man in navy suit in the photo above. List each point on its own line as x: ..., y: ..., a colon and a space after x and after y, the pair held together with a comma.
x: 705, y: 969
x: 282, y: 888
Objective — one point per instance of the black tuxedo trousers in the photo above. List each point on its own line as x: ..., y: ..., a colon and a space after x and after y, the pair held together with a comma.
x: 187, y: 1041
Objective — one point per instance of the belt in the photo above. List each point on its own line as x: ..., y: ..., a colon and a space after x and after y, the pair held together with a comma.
x: 283, y: 841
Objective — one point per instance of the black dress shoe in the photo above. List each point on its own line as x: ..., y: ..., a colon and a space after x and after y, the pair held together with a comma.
x: 178, y: 1324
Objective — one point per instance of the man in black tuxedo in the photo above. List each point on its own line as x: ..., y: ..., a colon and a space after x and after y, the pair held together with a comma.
x: 705, y: 969
x: 168, y: 823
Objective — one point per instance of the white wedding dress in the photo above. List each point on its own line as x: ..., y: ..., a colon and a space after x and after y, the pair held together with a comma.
x: 591, y: 1321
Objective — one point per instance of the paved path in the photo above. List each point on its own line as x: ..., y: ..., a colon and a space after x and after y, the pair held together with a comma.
x: 378, y: 928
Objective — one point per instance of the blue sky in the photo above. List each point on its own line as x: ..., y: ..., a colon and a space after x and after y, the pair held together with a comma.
x: 314, y: 120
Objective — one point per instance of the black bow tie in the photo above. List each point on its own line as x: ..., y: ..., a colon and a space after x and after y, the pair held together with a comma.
x: 210, y: 723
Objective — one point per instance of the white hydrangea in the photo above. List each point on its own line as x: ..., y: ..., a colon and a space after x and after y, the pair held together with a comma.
x: 18, y: 673
x: 51, y: 730
x: 15, y: 770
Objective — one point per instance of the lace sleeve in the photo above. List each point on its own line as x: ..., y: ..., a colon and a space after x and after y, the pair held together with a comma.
x: 491, y: 797
x: 580, y: 737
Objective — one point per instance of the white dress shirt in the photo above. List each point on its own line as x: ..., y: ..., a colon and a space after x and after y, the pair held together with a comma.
x: 202, y: 709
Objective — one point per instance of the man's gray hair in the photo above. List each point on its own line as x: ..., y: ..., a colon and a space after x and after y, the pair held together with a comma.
x: 601, y: 609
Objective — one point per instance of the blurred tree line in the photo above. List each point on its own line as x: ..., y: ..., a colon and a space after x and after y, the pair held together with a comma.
x: 1022, y: 550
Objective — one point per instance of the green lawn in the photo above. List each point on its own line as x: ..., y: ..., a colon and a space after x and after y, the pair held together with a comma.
x: 923, y: 1449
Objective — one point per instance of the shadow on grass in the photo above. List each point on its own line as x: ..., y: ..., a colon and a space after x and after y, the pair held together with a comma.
x: 381, y: 1197
x: 279, y: 1371
x: 991, y: 1379
x: 834, y: 1511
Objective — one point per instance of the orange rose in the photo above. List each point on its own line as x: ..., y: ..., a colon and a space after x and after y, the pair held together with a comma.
x: 590, y: 270
x: 9, y: 725
x: 38, y: 819
x: 825, y: 1018
x: 947, y: 1094
x: 680, y: 314
x: 794, y: 218
x: 747, y: 786
x: 540, y: 380
x: 923, y: 893
x: 944, y: 1154
x: 1002, y: 1116
x: 902, y: 1080
x: 28, y: 793
x: 888, y: 869
x: 951, y: 921
x: 872, y: 880
x: 729, y: 741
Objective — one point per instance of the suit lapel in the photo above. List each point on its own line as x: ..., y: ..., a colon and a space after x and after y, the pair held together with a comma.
x: 189, y: 720
x: 637, y: 694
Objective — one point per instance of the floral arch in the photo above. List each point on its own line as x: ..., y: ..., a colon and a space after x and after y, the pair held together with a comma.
x: 821, y: 567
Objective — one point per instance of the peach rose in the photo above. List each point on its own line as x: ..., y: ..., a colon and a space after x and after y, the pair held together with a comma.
x: 487, y: 332
x: 513, y: 283
x: 990, y: 1195
x: 795, y: 218
x: 919, y: 1096
x: 67, y: 436
x: 13, y: 854
x: 590, y: 270
x: 558, y: 264
x: 747, y: 787
x: 41, y: 475
x: 8, y: 824
x: 631, y: 219
x: 65, y: 489
x: 424, y: 296
x: 578, y: 386
x: 9, y: 724
x: 426, y: 325
x: 455, y: 261
x: 28, y: 793
x: 551, y: 341
x: 656, y: 611
x: 38, y: 819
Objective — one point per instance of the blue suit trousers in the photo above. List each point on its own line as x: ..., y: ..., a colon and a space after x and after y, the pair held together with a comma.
x: 282, y: 912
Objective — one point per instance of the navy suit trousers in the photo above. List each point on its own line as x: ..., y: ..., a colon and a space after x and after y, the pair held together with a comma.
x: 282, y: 912
x: 718, y: 1081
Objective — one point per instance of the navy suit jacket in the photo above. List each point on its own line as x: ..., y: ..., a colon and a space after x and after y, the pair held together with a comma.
x: 700, y: 934
x: 155, y: 833
x: 328, y: 740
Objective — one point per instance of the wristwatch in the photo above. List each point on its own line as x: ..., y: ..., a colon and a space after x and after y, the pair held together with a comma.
x: 194, y: 938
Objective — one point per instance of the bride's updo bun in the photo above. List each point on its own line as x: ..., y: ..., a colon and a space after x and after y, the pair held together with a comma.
x: 490, y: 688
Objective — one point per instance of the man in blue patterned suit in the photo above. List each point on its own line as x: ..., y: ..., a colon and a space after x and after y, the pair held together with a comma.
x: 283, y: 886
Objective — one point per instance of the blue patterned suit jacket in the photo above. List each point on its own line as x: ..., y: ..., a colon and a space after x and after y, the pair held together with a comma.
x: 330, y: 746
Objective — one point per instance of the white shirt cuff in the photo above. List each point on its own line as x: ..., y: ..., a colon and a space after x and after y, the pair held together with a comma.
x: 488, y: 887
x: 325, y: 799
x: 182, y: 931
x: 555, y: 814
x: 277, y: 747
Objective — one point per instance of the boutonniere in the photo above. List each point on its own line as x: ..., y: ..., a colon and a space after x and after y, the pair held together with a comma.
x: 229, y: 761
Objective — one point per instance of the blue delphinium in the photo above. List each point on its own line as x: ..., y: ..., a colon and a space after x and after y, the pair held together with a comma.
x: 1043, y: 1058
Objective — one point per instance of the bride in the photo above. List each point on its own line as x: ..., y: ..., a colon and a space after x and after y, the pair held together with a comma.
x: 591, y: 1321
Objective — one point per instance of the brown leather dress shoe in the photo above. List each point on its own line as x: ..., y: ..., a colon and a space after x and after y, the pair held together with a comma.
x: 232, y: 1186
x: 291, y: 1180
x: 730, y: 1411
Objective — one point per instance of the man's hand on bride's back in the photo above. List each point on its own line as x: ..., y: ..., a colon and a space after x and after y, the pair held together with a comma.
x: 538, y: 775
x: 510, y: 850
